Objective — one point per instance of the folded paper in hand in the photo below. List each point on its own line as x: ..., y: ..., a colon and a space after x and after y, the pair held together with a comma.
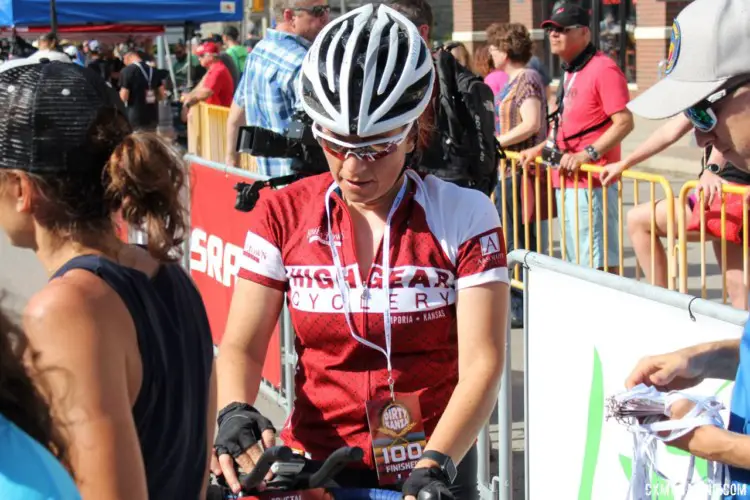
x: 646, y: 412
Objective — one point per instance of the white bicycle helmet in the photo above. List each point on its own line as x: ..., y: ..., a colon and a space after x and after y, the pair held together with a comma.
x: 368, y: 72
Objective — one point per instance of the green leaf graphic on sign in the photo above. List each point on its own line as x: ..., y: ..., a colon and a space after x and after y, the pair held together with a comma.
x: 627, y: 466
x: 723, y: 386
x: 593, y: 430
x: 660, y: 488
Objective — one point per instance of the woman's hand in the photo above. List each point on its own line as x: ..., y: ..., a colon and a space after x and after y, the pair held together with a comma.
x: 241, y: 431
x: 612, y: 172
x: 528, y: 156
x: 710, y: 184
x: 674, y: 371
x: 430, y: 481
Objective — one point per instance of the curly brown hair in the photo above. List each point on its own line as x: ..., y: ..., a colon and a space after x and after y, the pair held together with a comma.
x: 511, y: 38
x: 21, y: 402
x: 483, y: 64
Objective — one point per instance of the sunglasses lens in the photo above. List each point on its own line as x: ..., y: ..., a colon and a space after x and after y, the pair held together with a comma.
x: 702, y: 119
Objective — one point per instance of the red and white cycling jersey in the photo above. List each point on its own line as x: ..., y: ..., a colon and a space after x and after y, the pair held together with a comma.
x: 443, y: 238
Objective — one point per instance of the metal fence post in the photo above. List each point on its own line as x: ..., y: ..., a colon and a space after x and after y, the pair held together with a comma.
x: 505, y: 426
x: 525, y: 381
x: 483, y: 459
x: 288, y: 358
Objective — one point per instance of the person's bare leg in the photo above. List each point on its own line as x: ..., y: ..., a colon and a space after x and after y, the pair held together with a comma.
x: 736, y: 290
x: 639, y: 230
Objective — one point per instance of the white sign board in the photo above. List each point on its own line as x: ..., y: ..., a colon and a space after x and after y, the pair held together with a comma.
x: 583, y: 341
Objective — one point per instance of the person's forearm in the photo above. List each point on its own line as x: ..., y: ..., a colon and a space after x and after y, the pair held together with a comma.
x: 239, y: 376
x: 537, y: 150
x: 720, y: 445
x: 468, y: 410
x: 718, y: 360
x: 657, y: 142
x: 613, y: 136
x: 518, y: 134
x: 234, y: 122
x: 198, y: 95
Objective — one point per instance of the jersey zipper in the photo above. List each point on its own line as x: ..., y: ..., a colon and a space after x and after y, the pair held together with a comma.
x: 365, y: 284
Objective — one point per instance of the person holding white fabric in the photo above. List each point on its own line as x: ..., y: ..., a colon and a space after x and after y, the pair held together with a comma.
x: 708, y: 79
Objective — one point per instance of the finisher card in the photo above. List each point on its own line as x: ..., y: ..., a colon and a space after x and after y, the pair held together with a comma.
x: 398, y: 436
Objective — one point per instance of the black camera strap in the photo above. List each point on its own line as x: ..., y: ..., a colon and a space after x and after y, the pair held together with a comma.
x: 572, y: 68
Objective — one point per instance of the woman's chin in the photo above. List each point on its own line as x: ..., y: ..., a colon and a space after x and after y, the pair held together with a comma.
x: 359, y: 192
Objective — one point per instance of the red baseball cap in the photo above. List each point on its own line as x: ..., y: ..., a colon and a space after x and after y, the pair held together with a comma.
x: 207, y: 48
x: 567, y: 15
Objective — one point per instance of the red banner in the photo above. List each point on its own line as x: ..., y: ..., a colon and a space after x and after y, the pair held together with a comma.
x: 217, y: 237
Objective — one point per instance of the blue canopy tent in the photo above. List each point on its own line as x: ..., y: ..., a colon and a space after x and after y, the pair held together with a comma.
x: 87, y: 12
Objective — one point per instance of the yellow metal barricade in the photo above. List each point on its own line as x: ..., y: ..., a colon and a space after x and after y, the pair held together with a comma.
x: 511, y: 168
x: 702, y: 236
x: 213, y: 135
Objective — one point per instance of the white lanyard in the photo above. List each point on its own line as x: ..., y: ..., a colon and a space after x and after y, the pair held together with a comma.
x: 570, y: 83
x: 150, y: 73
x: 344, y: 287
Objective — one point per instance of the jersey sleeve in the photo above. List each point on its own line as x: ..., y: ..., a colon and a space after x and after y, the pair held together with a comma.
x: 210, y: 80
x: 261, y: 258
x: 613, y: 90
x: 481, y: 256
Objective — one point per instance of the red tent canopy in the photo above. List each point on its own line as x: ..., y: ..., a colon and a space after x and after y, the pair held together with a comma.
x: 108, y: 33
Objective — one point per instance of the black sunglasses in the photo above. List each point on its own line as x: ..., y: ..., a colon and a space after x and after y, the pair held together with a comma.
x: 560, y: 29
x: 317, y: 11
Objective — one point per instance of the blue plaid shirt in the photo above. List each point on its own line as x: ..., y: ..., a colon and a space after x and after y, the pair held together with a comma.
x: 268, y: 90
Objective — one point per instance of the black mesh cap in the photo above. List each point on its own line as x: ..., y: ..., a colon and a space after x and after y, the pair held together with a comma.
x: 47, y: 109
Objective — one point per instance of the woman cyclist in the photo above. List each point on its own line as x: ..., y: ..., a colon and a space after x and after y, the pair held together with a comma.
x: 33, y: 454
x: 430, y: 336
x: 123, y: 339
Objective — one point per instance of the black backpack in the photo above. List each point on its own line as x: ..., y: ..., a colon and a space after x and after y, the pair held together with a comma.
x: 463, y: 149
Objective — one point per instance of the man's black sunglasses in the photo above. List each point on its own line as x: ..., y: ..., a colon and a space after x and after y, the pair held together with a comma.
x: 317, y: 11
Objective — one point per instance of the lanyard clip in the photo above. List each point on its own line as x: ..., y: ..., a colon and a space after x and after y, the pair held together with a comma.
x: 391, y: 385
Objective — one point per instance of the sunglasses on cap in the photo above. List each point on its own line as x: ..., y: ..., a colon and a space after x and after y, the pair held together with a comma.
x: 560, y: 29
x: 317, y: 11
x: 702, y: 116
x: 370, y: 151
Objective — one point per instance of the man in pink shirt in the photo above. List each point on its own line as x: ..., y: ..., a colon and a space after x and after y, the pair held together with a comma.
x: 593, y: 122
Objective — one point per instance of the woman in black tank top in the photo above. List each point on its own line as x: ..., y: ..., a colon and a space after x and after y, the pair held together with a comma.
x: 125, y: 355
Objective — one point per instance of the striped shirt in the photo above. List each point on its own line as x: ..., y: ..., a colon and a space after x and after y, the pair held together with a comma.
x: 268, y: 92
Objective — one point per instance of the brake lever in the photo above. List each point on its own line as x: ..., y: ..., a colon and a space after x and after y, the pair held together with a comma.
x: 270, y: 456
x: 334, y: 464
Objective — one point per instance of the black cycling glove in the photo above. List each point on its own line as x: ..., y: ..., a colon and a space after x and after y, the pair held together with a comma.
x: 240, y: 427
x: 428, y: 483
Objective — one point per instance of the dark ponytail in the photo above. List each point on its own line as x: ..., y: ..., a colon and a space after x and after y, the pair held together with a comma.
x: 146, y: 179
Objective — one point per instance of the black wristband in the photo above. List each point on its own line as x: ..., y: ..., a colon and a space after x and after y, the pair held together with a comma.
x: 234, y: 406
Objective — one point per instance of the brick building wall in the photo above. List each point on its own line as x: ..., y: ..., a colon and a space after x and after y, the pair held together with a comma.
x: 654, y: 21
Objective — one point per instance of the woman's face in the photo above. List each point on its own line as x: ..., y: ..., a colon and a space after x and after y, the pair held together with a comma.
x: 498, y: 57
x: 15, y: 209
x: 368, y: 182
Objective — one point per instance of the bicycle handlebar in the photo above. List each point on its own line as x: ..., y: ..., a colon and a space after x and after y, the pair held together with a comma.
x: 255, y: 477
x: 334, y: 464
x: 365, y: 494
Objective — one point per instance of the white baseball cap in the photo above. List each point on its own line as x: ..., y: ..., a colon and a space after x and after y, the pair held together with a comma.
x: 710, y: 44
